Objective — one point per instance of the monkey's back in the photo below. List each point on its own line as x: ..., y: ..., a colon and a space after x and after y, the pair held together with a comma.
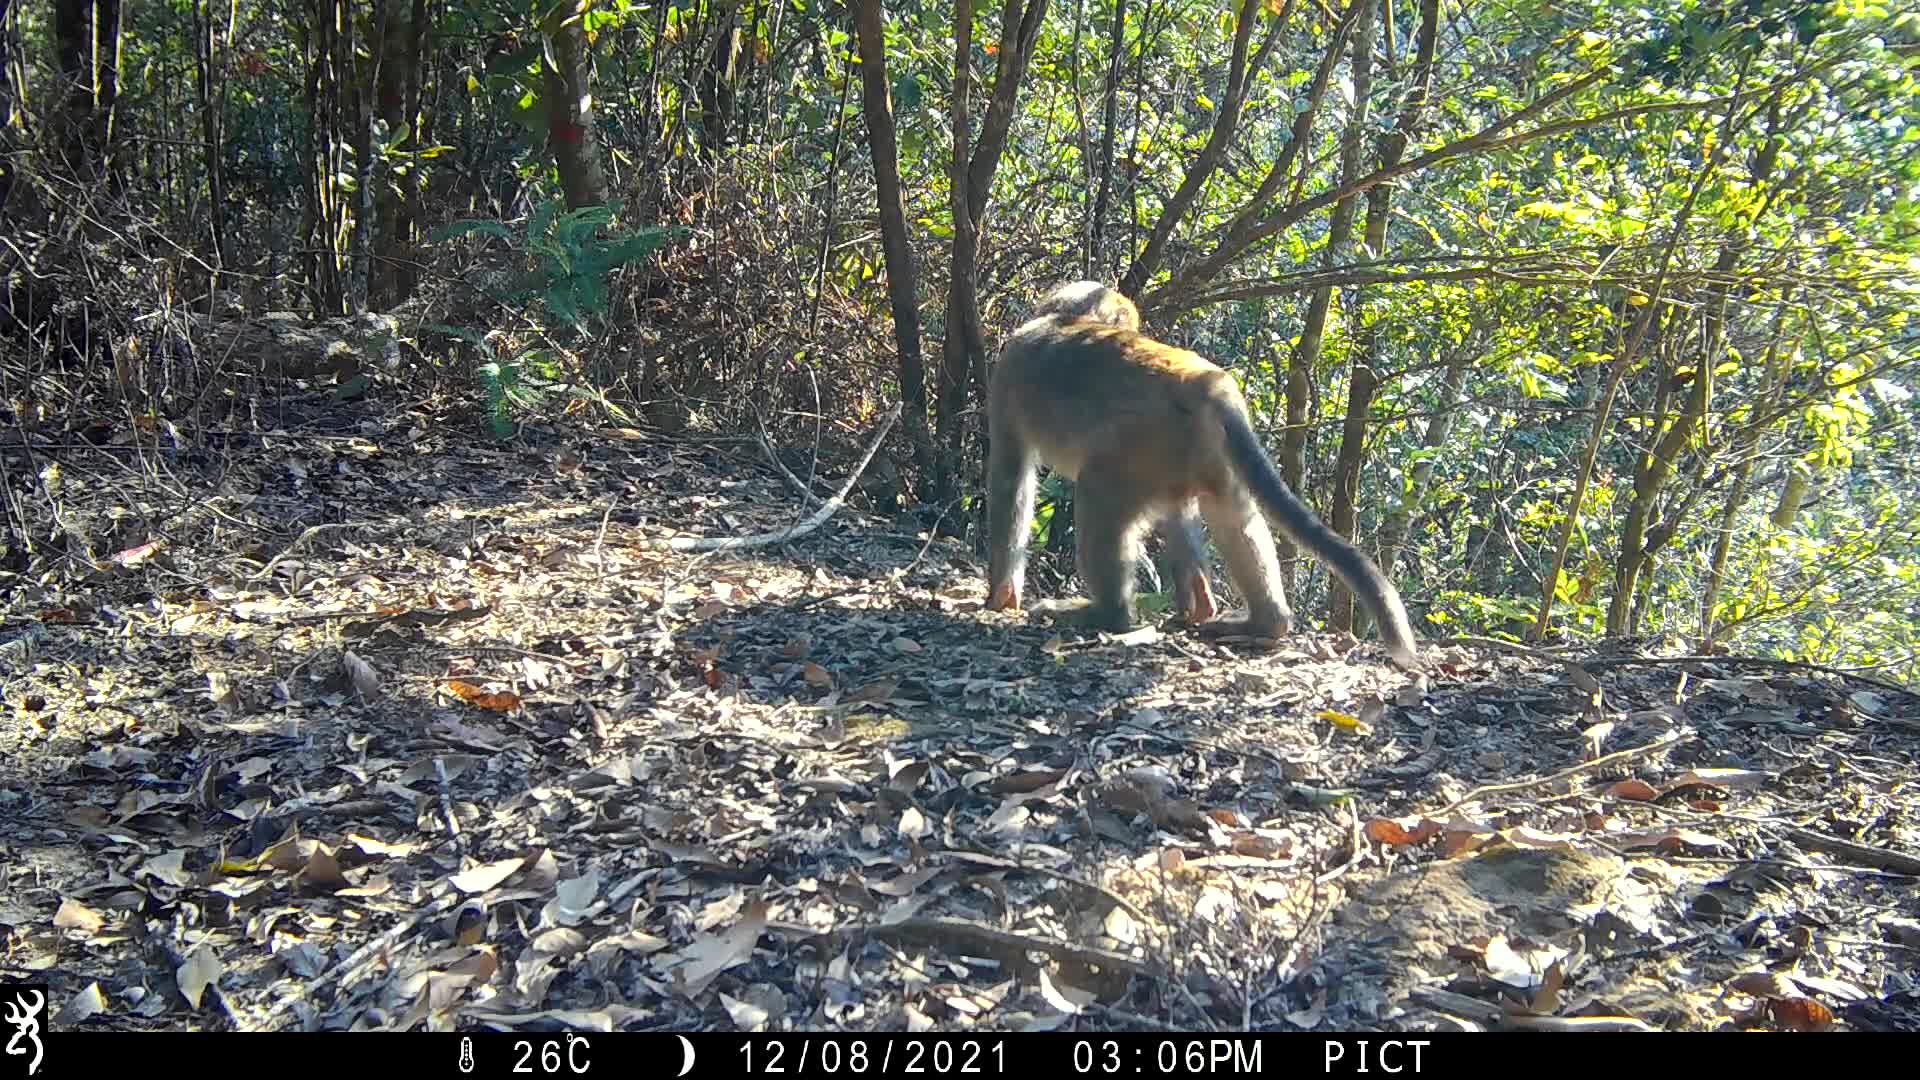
x: 1084, y: 394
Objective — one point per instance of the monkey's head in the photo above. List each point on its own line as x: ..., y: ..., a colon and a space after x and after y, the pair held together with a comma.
x: 1089, y: 300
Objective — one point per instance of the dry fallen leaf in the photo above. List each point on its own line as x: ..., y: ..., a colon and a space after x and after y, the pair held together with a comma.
x: 502, y: 702
x: 1020, y: 783
x: 480, y: 878
x: 366, y: 681
x: 1635, y: 789
x: 201, y: 970
x: 74, y: 915
x: 83, y: 1006
x: 1800, y: 1014
x: 709, y: 955
x: 1393, y: 834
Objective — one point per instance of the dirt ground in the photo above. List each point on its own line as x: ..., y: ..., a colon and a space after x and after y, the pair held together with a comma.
x: 371, y: 723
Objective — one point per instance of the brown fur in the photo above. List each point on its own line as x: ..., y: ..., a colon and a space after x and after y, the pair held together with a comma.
x: 1180, y: 533
x: 1148, y: 432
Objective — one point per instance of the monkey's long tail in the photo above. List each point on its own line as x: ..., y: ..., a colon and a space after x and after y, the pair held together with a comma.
x: 1349, y: 563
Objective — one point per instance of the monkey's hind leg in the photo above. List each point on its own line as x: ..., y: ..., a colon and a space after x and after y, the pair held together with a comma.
x: 1187, y: 567
x: 1109, y: 515
x: 1246, y: 544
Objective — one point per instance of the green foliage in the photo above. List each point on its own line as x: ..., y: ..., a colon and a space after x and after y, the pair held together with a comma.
x: 571, y: 261
x: 563, y: 287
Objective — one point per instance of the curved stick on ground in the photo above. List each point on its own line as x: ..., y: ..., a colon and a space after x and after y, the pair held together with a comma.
x: 819, y: 517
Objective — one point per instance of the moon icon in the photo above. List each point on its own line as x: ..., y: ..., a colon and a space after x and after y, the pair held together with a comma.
x: 686, y: 1045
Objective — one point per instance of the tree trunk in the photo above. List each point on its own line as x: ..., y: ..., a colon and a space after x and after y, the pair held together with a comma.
x: 570, y: 131
x: 211, y: 135
x: 1116, y: 52
x: 86, y: 35
x: 902, y: 289
x: 1342, y: 516
x: 1393, y: 532
x: 1656, y: 466
x: 398, y: 71
x: 1367, y: 363
x: 1226, y: 122
x: 7, y: 176
x: 1293, y: 441
x: 963, y: 353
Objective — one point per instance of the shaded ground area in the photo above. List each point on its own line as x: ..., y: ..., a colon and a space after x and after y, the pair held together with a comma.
x: 366, y: 724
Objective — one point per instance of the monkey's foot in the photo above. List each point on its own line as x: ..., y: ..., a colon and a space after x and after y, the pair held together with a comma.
x: 1249, y: 628
x: 1084, y: 614
x: 1194, y: 601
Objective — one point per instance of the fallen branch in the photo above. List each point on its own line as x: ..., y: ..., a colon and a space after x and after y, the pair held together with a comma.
x: 1860, y: 854
x: 971, y: 938
x: 1665, y: 742
x: 1601, y: 663
x: 819, y: 518
x: 799, y: 485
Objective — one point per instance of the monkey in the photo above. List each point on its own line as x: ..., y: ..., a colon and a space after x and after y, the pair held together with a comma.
x: 1089, y: 300
x: 1180, y: 531
x: 1148, y: 432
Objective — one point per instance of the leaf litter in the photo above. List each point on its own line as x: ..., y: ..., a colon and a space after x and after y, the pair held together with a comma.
x: 392, y: 731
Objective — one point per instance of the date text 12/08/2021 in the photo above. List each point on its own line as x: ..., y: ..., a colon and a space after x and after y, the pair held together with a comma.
x: 1089, y: 1056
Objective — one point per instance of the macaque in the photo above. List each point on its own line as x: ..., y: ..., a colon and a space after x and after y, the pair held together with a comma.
x: 1180, y: 533
x: 1149, y: 434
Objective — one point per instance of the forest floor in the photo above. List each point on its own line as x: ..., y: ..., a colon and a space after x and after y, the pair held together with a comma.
x: 370, y: 723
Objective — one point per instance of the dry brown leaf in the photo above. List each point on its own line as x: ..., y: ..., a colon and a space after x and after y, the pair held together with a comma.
x: 909, y: 776
x: 379, y: 849
x: 905, y: 884
x: 1800, y: 1014
x: 365, y: 680
x: 1546, y: 1000
x: 1393, y: 834
x: 913, y: 823
x: 134, y: 556
x: 1719, y: 778
x: 201, y: 969
x: 322, y: 869
x: 74, y: 915
x: 709, y: 955
x: 816, y: 675
x: 1764, y: 984
x: 479, y: 879
x: 1634, y: 789
x: 502, y: 702
x: 1021, y: 783
x: 480, y: 965
x: 83, y: 1006
x: 1255, y: 846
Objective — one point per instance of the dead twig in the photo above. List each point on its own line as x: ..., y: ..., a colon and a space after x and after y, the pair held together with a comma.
x: 1665, y: 742
x: 1860, y: 854
x: 715, y: 545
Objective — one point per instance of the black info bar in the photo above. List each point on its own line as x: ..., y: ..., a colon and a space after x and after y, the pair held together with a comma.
x: 1056, y: 1055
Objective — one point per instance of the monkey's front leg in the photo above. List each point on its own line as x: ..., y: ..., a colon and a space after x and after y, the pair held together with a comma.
x: 1010, y: 484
